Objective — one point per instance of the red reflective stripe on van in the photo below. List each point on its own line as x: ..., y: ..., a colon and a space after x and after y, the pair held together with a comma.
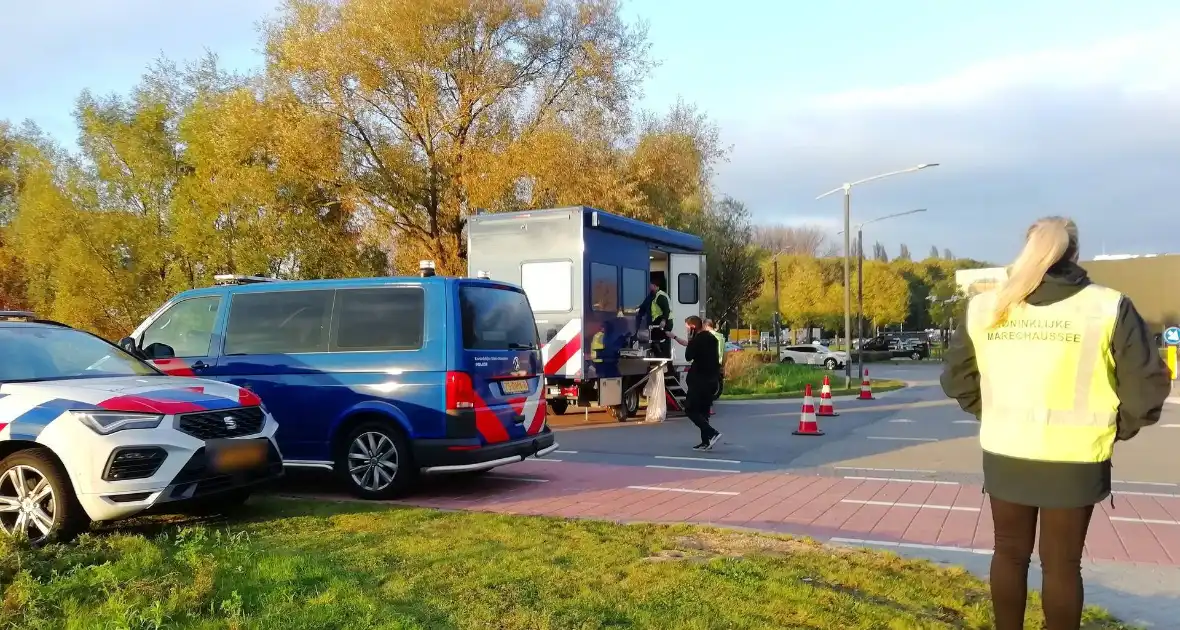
x: 561, y: 357
x: 488, y: 423
x: 175, y: 367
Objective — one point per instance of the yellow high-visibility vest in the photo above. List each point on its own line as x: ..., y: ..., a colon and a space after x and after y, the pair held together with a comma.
x: 656, y: 310
x: 596, y: 344
x: 720, y: 346
x: 1046, y: 375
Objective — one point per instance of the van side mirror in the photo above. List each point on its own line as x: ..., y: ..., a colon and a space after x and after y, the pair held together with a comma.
x: 159, y: 351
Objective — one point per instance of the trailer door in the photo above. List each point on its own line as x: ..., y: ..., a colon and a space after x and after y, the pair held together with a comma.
x: 686, y: 288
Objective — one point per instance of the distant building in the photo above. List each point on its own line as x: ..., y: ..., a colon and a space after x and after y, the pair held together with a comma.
x: 1152, y: 281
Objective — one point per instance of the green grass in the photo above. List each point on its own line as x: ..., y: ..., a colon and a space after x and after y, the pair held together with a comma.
x: 298, y: 564
x: 787, y: 380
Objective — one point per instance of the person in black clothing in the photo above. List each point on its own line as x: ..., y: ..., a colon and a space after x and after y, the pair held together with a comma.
x: 700, y: 349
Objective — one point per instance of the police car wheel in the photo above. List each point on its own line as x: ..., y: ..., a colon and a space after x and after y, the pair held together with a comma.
x: 37, y: 501
x: 375, y: 461
x: 788, y: 360
x: 830, y: 364
x: 559, y: 406
x: 915, y: 356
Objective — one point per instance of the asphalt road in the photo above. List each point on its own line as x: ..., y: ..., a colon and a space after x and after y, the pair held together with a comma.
x: 910, y: 433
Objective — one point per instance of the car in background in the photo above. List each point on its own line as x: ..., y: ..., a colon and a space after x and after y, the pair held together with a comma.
x: 812, y: 354
x: 91, y: 433
x: 915, y: 349
x: 378, y: 379
x: 732, y: 347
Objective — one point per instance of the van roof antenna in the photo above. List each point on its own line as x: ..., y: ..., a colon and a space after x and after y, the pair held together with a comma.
x: 229, y: 278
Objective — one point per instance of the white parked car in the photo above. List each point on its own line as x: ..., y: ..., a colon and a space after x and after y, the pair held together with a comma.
x: 90, y: 433
x: 811, y: 354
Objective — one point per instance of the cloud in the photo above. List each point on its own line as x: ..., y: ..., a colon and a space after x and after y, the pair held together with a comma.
x: 1092, y: 132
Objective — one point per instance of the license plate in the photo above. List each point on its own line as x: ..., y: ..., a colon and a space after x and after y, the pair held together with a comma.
x: 554, y: 391
x: 234, y: 455
x: 515, y: 387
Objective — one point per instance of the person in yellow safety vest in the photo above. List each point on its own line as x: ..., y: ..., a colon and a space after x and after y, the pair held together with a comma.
x: 711, y: 327
x: 656, y: 310
x: 1057, y: 370
x: 597, y: 345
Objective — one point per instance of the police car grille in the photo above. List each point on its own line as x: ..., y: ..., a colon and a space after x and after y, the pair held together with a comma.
x: 212, y: 425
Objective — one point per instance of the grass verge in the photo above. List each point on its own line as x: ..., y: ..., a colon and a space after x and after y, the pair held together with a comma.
x: 785, y: 380
x: 299, y: 564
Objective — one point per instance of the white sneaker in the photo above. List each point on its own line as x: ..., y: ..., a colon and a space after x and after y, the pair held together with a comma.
x: 712, y: 441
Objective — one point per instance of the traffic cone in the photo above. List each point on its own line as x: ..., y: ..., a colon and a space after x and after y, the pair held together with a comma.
x: 807, y: 423
x: 866, y: 389
x: 826, y: 409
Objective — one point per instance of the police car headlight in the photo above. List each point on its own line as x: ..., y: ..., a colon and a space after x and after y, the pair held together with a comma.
x: 108, y: 422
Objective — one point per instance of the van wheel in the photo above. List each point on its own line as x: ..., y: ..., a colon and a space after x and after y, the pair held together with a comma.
x: 631, y: 402
x: 375, y: 461
x: 915, y: 356
x: 620, y: 412
x: 559, y: 406
x: 788, y: 360
x: 37, y: 501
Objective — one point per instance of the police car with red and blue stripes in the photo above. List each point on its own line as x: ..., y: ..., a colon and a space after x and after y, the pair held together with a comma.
x: 91, y: 433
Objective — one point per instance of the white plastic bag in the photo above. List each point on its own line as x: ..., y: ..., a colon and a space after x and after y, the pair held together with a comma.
x: 653, y: 390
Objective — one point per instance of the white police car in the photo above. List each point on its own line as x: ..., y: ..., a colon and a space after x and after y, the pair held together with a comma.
x: 90, y: 433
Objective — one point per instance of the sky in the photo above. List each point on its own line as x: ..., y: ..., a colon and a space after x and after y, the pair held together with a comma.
x: 1031, y: 108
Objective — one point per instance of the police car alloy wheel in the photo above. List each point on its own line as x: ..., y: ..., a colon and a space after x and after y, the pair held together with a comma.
x: 36, y: 500
x: 830, y: 364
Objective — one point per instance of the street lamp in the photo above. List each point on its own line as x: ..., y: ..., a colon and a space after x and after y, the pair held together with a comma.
x: 847, y: 190
x: 860, y: 285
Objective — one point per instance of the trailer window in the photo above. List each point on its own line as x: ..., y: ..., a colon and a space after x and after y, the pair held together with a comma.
x: 686, y: 288
x: 549, y: 285
x: 635, y: 285
x: 604, y: 287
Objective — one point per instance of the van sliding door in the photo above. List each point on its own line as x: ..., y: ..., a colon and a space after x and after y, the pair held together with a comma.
x: 686, y: 288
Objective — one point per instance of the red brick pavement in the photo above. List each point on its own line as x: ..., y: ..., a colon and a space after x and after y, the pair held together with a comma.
x: 1139, y: 528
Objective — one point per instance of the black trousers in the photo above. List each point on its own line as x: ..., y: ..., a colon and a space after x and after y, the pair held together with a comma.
x: 700, y: 399
x: 1063, y: 534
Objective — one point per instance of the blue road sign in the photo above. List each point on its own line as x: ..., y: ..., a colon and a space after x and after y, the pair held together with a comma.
x: 1172, y: 336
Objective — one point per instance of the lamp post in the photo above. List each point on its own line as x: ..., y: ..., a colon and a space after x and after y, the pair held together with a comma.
x: 847, y: 190
x: 860, y: 283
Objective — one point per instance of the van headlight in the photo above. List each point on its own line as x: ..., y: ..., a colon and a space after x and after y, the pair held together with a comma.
x: 108, y: 422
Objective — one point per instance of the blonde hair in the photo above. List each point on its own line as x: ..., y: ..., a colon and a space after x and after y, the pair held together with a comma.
x: 1048, y: 241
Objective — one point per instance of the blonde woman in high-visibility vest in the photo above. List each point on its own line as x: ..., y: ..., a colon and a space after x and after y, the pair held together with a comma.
x: 1057, y: 369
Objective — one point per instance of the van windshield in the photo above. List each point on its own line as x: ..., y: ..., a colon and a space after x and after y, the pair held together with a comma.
x: 496, y: 319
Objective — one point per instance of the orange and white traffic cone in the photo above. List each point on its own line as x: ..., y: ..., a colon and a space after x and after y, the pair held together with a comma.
x: 807, y: 422
x: 866, y: 388
x: 826, y: 408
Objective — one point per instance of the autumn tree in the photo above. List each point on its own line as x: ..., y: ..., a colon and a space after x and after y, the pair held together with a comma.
x: 886, y: 295
x: 793, y: 240
x: 446, y: 106
x: 734, y: 264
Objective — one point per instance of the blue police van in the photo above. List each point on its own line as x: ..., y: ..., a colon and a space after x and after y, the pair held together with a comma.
x: 378, y: 379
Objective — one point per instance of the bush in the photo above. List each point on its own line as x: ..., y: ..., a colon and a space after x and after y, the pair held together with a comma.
x: 753, y: 377
x: 739, y: 364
